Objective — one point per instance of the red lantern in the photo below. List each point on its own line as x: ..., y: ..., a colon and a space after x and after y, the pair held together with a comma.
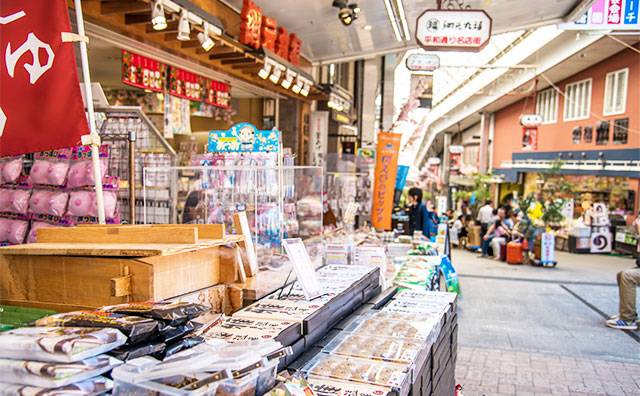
x: 250, y: 26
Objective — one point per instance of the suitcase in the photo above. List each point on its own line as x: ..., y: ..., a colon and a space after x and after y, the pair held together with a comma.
x: 514, y: 253
x: 503, y: 252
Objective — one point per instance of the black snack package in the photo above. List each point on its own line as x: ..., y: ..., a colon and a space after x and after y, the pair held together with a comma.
x: 172, y: 313
x: 136, y: 329
x: 178, y: 346
x: 133, y: 352
x: 171, y: 333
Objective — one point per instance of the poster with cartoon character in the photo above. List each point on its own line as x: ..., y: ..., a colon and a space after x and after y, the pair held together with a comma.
x: 243, y: 137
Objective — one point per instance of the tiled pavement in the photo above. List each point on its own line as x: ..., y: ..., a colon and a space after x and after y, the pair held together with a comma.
x: 494, y: 372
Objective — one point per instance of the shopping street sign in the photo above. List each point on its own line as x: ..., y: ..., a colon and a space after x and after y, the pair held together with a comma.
x: 453, y: 30
x: 423, y: 62
x: 608, y: 15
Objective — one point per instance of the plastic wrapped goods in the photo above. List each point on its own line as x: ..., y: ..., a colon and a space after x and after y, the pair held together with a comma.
x: 91, y: 387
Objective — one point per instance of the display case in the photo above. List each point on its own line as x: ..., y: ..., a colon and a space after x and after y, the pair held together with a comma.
x: 135, y: 143
x: 280, y: 202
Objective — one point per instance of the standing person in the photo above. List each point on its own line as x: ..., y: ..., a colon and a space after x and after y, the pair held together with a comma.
x: 485, y: 216
x: 416, y: 211
x: 628, y: 280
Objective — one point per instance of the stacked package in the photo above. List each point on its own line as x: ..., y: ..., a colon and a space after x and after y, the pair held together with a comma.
x: 157, y: 329
x: 417, y: 272
x: 57, y: 361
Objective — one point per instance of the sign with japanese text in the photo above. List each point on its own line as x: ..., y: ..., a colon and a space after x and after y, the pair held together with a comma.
x: 184, y: 84
x: 423, y: 62
x: 319, y: 132
x: 142, y: 72
x: 250, y: 26
x: 529, y: 138
x: 217, y: 93
x: 453, y: 30
x: 40, y: 102
x: 305, y: 272
x: 244, y: 138
x: 294, y: 49
x: 385, y: 175
x: 608, y: 15
x: 268, y: 33
x: 456, y: 159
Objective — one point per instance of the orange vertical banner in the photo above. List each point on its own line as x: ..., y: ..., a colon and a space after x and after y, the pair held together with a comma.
x: 384, y: 185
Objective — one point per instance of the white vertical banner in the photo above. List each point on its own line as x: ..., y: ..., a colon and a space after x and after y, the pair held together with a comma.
x: 548, y: 248
x: 319, y: 131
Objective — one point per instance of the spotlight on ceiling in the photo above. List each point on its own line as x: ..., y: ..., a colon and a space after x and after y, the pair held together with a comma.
x: 339, y: 3
x: 348, y: 12
x: 205, y: 39
x: 354, y: 7
x: 305, y: 91
x: 184, y: 31
x: 158, y: 18
x: 275, y: 76
x: 288, y: 80
x: 265, y: 71
x: 297, y: 87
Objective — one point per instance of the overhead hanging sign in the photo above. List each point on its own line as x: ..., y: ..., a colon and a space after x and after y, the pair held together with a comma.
x: 453, y: 30
x: 184, y: 84
x: 423, y: 62
x: 142, y: 72
x: 608, y: 15
x: 385, y: 178
x: 243, y: 138
x: 38, y: 77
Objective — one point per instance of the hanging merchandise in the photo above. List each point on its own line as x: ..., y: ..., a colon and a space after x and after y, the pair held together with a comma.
x: 177, y: 116
x: 142, y: 72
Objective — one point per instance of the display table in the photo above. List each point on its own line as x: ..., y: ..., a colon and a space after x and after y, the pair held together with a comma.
x: 86, y: 267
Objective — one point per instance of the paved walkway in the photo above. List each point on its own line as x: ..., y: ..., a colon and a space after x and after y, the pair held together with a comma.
x: 539, y: 331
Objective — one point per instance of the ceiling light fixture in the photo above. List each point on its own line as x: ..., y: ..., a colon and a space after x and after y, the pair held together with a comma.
x: 184, y: 31
x: 297, y: 87
x: 339, y: 3
x: 265, y: 71
x: 277, y: 73
x: 368, y: 27
x: 354, y: 7
x: 205, y: 40
x: 348, y: 12
x: 392, y: 19
x: 288, y: 80
x: 305, y: 91
x: 158, y: 19
x: 403, y: 19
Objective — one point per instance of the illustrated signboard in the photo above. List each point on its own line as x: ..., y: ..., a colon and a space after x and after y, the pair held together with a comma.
x: 142, y: 72
x: 453, y: 30
x: 244, y: 138
x: 608, y: 15
x: 38, y: 76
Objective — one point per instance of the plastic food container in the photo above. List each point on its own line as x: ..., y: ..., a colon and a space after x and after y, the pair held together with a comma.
x: 130, y: 380
x: 244, y: 386
x: 375, y: 323
x: 396, y: 376
x: 267, y: 377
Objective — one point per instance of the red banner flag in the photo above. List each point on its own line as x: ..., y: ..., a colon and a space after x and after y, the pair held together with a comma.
x: 384, y: 185
x: 40, y: 102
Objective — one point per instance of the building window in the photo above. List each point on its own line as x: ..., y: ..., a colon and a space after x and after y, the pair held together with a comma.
x: 587, y: 135
x: 602, y: 132
x: 615, y: 92
x: 620, y: 131
x: 547, y: 106
x: 577, y: 100
x: 577, y: 134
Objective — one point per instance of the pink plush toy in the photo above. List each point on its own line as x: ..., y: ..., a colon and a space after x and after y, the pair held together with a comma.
x: 11, y: 170
x: 19, y: 201
x: 58, y: 203
x: 39, y: 171
x: 5, y: 195
x: 80, y: 203
x: 110, y: 200
x: 17, y: 231
x: 89, y: 175
x: 4, y: 229
x: 33, y: 233
x: 57, y: 173
x: 77, y: 174
x: 39, y: 202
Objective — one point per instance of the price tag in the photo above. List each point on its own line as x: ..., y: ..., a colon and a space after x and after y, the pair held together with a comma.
x: 301, y: 262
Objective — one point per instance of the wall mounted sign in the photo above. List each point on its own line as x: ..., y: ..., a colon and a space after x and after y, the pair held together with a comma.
x: 608, y: 15
x: 319, y: 130
x: 243, y: 138
x: 142, y: 72
x: 422, y: 62
x: 453, y: 30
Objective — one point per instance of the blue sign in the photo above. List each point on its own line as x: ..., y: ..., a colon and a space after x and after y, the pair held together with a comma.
x: 401, y: 176
x: 607, y: 15
x: 244, y: 138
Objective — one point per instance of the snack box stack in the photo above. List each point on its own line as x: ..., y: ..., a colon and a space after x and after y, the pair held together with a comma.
x: 56, y: 360
x: 437, y: 376
x: 417, y: 272
x: 158, y: 329
x: 212, y: 368
x: 288, y: 317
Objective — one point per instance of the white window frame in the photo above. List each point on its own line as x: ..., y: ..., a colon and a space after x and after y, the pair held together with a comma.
x: 588, y: 100
x: 551, y: 111
x: 606, y: 92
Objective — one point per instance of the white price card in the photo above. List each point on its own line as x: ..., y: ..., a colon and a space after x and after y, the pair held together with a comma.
x: 301, y: 262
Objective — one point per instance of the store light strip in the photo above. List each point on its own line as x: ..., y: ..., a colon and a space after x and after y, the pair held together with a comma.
x: 392, y: 19
x: 403, y: 19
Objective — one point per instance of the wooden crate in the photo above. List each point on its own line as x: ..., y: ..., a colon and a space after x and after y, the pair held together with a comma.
x: 88, y: 267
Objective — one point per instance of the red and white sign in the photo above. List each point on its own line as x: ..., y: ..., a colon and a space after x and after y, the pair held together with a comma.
x: 184, y: 84
x: 41, y: 106
x: 529, y: 138
x: 453, y: 30
x: 142, y: 72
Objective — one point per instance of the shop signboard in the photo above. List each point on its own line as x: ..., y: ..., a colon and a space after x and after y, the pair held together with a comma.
x: 385, y: 174
x: 608, y: 15
x: 305, y: 272
x: 216, y: 93
x: 366, y: 158
x: 601, y: 240
x: 319, y: 131
x: 442, y: 205
x: 184, y: 84
x: 244, y: 138
x: 453, y: 30
x: 423, y: 62
x: 142, y: 72
x: 456, y: 159
x: 548, y: 248
x: 529, y: 138
x: 401, y: 176
x: 41, y: 106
